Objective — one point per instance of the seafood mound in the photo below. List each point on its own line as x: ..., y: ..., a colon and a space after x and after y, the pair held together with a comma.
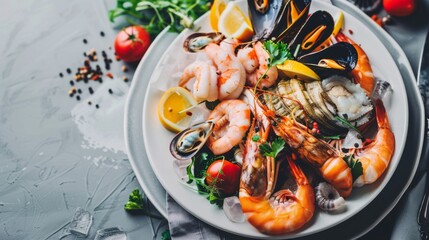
x: 283, y: 126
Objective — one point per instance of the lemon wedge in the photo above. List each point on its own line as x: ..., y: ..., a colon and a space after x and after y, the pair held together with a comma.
x: 234, y: 23
x: 216, y: 9
x: 172, y: 108
x: 297, y: 70
x: 339, y: 21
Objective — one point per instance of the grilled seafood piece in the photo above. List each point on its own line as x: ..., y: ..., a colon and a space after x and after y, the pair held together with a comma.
x: 272, y: 213
x: 326, y: 159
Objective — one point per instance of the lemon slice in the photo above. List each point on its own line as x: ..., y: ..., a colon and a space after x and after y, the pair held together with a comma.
x: 233, y: 23
x: 172, y: 108
x: 297, y: 70
x: 339, y: 21
x: 216, y: 9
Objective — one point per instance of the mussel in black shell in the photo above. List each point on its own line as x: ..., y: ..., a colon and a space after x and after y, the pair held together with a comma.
x: 198, y: 41
x: 316, y: 30
x: 189, y: 142
x: 337, y: 59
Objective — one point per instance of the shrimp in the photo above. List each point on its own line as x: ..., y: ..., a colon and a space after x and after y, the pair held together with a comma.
x: 205, y: 85
x: 272, y: 213
x: 255, y: 63
x: 232, y: 119
x: 362, y: 73
x: 232, y: 76
x: 375, y: 157
x: 328, y: 160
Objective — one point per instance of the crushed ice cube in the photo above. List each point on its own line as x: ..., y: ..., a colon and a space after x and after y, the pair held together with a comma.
x: 81, y: 223
x: 112, y: 233
x: 232, y: 209
x: 180, y: 166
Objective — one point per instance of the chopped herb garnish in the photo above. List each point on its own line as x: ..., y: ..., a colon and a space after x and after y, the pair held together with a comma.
x: 136, y: 204
x: 279, y: 52
x: 256, y: 138
x: 273, y: 149
x: 335, y: 137
x: 347, y: 124
x: 166, y: 235
x: 355, y: 166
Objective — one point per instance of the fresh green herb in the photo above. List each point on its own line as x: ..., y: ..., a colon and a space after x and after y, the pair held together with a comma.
x: 196, y: 171
x: 136, y: 204
x: 272, y: 151
x: 166, y: 235
x: 155, y: 15
x: 355, y: 166
x: 347, y: 124
x: 256, y: 138
x: 335, y: 137
x: 279, y: 52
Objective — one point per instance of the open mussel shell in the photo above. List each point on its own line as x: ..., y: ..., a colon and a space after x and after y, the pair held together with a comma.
x: 337, y: 59
x: 292, y: 20
x: 316, y: 30
x: 198, y: 41
x: 265, y: 23
x: 189, y: 142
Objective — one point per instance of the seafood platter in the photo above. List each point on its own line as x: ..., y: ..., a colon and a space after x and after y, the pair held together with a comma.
x: 280, y: 134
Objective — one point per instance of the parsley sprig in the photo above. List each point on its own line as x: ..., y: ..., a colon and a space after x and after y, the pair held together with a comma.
x: 155, y: 15
x: 136, y: 204
x: 273, y: 149
x: 278, y: 53
x: 355, y: 166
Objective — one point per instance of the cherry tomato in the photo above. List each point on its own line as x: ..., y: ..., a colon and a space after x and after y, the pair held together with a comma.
x: 226, y: 176
x: 399, y: 7
x: 131, y: 43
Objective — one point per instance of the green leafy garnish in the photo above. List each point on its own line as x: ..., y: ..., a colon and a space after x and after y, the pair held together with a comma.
x: 166, y: 235
x: 355, y: 166
x: 347, y: 124
x: 199, y: 165
x: 155, y: 15
x: 273, y: 149
x: 335, y: 137
x: 279, y: 52
x: 256, y: 138
x: 136, y: 204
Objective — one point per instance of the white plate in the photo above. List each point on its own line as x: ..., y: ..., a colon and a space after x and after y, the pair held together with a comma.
x: 161, y: 161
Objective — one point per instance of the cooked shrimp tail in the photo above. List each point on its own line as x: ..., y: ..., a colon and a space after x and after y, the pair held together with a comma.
x: 362, y: 73
x: 375, y: 156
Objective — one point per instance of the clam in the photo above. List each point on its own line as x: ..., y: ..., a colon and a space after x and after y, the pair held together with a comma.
x: 198, y: 41
x: 316, y: 30
x: 189, y: 142
x: 337, y: 59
